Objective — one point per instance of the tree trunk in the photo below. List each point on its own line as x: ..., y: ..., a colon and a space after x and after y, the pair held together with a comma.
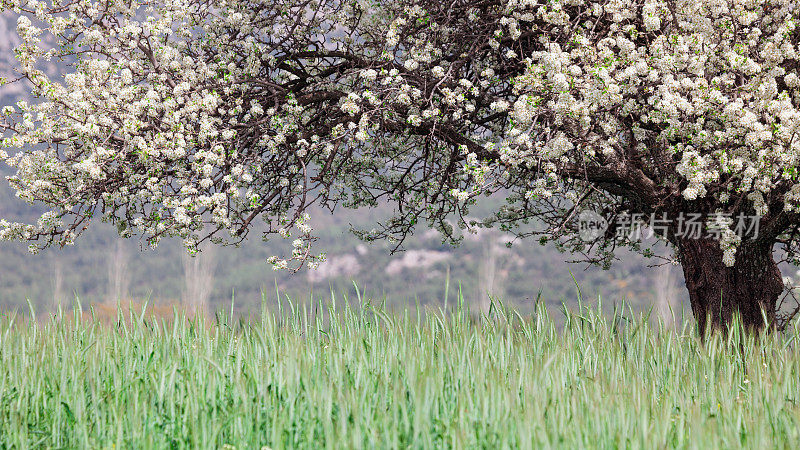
x: 750, y: 288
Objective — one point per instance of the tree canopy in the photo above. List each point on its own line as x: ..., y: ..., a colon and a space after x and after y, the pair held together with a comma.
x: 193, y: 119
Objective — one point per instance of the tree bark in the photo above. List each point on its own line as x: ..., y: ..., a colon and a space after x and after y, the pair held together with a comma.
x: 750, y: 288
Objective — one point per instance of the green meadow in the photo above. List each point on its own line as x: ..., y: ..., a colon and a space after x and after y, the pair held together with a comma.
x: 340, y: 375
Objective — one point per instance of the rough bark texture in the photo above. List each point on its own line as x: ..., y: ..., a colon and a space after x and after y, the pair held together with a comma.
x: 717, y: 292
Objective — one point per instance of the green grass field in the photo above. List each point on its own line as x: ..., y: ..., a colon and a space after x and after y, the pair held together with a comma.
x: 366, y: 378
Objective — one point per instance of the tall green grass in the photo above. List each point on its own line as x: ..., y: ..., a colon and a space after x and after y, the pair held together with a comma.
x: 362, y: 377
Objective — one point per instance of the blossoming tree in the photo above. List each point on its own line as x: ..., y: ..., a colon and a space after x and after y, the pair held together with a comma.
x: 193, y: 119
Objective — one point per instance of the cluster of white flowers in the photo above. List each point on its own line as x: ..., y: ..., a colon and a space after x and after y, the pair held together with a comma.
x: 153, y: 129
x: 184, y: 116
x: 729, y: 240
x: 726, y: 108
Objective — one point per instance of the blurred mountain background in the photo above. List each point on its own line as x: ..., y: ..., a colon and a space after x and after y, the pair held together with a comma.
x: 103, y: 268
